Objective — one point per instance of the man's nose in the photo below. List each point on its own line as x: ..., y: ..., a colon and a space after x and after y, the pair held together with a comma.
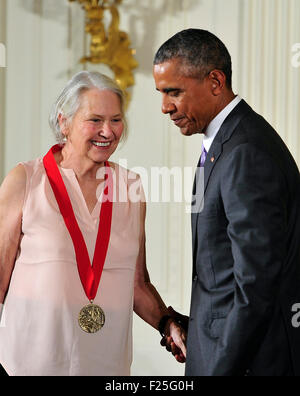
x: 168, y: 107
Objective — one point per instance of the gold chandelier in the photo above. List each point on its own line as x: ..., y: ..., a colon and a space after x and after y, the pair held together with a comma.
x: 111, y: 47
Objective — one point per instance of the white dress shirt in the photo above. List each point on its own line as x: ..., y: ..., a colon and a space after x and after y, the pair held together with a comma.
x: 215, y: 125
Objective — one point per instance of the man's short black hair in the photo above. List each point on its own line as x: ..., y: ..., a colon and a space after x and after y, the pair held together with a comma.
x: 200, y: 51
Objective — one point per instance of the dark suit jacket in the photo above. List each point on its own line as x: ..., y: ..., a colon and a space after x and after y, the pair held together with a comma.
x: 246, y: 253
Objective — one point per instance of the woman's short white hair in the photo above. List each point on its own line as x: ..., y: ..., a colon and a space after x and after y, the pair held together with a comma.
x: 68, y: 101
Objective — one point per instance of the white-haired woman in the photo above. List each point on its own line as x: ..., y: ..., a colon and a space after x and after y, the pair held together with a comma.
x: 72, y: 256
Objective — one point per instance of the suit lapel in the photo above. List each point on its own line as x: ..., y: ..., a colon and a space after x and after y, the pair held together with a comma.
x: 224, y: 134
x: 211, y: 160
x: 215, y: 153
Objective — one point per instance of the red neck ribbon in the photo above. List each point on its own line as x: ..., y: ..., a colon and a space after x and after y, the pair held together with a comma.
x: 89, y: 275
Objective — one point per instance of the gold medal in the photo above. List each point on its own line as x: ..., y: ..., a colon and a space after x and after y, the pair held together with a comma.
x: 91, y: 318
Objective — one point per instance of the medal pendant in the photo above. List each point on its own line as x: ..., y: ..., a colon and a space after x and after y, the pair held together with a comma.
x: 91, y: 318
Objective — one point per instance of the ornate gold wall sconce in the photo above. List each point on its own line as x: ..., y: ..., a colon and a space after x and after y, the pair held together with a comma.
x: 111, y: 47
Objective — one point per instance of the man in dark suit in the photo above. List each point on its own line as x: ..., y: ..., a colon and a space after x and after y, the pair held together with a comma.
x: 246, y: 235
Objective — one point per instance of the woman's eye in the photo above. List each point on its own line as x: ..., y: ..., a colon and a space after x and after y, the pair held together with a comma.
x: 117, y: 120
x: 95, y: 120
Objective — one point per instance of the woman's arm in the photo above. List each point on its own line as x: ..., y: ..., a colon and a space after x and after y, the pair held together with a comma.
x: 12, y: 193
x: 149, y: 305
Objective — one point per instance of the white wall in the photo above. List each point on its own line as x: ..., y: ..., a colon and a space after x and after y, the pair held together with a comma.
x: 45, y: 40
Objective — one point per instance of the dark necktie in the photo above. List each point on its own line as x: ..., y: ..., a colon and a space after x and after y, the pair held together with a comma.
x: 203, y: 157
x: 199, y: 177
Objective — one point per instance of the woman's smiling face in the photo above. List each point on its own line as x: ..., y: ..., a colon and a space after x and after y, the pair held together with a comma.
x: 97, y: 127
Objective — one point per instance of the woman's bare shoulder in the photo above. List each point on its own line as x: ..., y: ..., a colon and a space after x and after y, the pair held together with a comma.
x: 14, y: 184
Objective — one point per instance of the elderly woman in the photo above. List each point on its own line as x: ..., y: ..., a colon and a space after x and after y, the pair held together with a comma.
x: 72, y: 256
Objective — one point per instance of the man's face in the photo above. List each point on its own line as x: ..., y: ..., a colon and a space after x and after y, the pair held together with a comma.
x: 189, y: 101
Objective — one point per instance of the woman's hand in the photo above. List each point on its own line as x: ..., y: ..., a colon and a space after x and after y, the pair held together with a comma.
x: 176, y: 335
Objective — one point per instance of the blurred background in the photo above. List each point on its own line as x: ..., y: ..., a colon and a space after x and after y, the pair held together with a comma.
x: 44, y: 41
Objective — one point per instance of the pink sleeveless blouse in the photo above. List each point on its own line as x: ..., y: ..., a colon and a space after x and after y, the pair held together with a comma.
x: 39, y: 331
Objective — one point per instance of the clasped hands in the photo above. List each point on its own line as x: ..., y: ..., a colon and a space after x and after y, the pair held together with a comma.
x: 176, y: 334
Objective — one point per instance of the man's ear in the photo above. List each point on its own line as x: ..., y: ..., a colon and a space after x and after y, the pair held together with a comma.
x: 218, y: 81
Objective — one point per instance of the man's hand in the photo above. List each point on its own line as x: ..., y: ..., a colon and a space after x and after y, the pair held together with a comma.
x: 181, y: 319
x: 176, y: 334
